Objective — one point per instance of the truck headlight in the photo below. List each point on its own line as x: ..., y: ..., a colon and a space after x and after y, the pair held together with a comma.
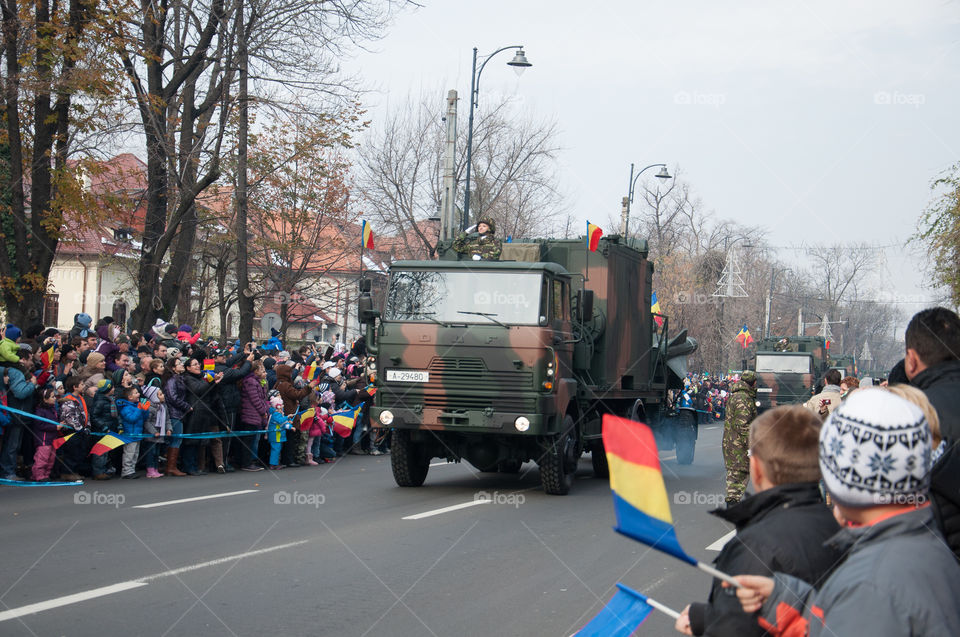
x: 386, y: 417
x: 521, y: 423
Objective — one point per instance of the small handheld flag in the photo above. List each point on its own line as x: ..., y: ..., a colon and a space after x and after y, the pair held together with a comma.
x: 623, y: 614
x: 743, y: 337
x: 208, y: 368
x: 59, y: 442
x: 310, y: 372
x: 108, y: 443
x: 593, y: 236
x: 345, y: 420
x: 655, y: 309
x: 306, y: 419
x: 366, y: 236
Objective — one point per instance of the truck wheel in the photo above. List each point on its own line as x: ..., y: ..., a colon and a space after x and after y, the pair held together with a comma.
x: 510, y: 466
x: 685, y: 434
x: 559, y: 462
x: 598, y: 457
x: 409, y: 463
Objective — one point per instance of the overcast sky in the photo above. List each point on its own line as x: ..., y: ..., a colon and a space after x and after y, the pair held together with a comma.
x: 818, y: 121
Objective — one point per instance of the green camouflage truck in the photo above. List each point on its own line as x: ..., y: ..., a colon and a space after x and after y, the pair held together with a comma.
x: 503, y: 362
x: 788, y: 369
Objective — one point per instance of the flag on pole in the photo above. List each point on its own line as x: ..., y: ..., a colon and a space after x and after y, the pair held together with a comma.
x: 59, y: 442
x: 620, y: 617
x: 345, y: 420
x: 655, y: 309
x: 639, y: 494
x: 366, y: 236
x: 743, y: 337
x: 593, y: 236
x: 108, y: 443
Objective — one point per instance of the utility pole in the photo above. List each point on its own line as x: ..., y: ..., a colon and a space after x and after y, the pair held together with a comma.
x: 448, y: 197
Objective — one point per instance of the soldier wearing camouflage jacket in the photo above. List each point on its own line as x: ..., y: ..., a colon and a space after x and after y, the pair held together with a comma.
x: 741, y: 410
x: 480, y: 245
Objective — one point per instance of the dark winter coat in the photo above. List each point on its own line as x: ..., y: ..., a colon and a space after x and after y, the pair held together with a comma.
x: 945, y: 494
x: 44, y: 433
x: 941, y: 384
x: 782, y: 530
x: 254, y: 407
x: 103, y: 415
x: 175, y: 392
x: 229, y: 387
x: 897, y: 578
x: 21, y: 394
x: 207, y: 414
x: 290, y: 394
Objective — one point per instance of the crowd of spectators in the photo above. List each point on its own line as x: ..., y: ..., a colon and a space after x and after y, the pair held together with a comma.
x: 176, y: 403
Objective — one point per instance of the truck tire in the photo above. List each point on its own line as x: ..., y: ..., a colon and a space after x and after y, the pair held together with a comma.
x: 559, y: 462
x: 409, y: 463
x: 685, y: 434
x: 598, y: 458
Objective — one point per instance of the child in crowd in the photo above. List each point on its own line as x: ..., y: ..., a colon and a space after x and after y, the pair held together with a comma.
x: 897, y: 577
x: 74, y: 415
x: 104, y: 420
x: 782, y: 527
x: 156, y: 425
x: 313, y: 426
x: 277, y: 428
x: 44, y: 434
x: 9, y: 349
x: 133, y: 414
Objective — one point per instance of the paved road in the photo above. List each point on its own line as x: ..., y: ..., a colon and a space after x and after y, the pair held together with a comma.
x: 331, y: 550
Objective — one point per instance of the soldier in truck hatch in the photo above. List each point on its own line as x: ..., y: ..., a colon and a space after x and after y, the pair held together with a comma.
x: 480, y: 244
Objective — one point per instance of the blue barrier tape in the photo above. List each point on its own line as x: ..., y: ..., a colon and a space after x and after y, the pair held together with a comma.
x: 27, y: 483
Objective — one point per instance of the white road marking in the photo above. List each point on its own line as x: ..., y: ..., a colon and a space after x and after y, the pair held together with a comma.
x: 196, y: 499
x: 455, y: 507
x: 441, y: 464
x: 669, y: 456
x: 66, y: 600
x: 93, y: 593
x: 712, y: 427
x: 719, y: 544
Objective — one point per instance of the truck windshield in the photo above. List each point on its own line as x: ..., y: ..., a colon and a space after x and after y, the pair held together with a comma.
x: 783, y: 364
x: 438, y: 296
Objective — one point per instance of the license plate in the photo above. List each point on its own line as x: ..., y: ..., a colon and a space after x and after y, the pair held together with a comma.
x: 765, y: 390
x: 407, y: 376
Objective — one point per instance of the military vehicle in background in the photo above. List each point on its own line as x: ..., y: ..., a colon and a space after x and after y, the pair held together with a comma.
x: 845, y: 364
x: 788, y: 369
x: 504, y: 362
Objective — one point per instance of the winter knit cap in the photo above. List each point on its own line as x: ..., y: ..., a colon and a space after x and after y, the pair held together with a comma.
x: 13, y: 332
x: 94, y: 358
x: 186, y: 328
x: 117, y: 377
x: 875, y: 449
x: 83, y: 320
x: 277, y: 401
x: 104, y: 386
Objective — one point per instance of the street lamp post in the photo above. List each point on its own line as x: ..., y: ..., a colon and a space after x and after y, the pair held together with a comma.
x: 519, y: 64
x: 625, y: 222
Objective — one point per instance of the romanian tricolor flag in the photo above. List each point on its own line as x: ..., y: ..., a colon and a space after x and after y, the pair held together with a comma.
x: 345, y: 420
x: 46, y: 358
x: 366, y: 236
x: 743, y: 337
x: 306, y: 419
x: 109, y: 443
x: 620, y: 617
x: 59, y: 442
x: 310, y: 372
x: 208, y: 368
x: 593, y: 236
x: 655, y: 309
x: 639, y: 495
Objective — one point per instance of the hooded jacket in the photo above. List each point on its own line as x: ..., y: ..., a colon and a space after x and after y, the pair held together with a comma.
x: 132, y: 417
x: 175, y: 392
x: 290, y: 394
x: 234, y: 370
x: 254, y: 407
x: 158, y: 420
x: 44, y: 433
x: 207, y: 413
x: 81, y: 326
x: 106, y: 346
x: 941, y: 384
x: 898, y: 578
x: 104, y: 412
x: 781, y: 529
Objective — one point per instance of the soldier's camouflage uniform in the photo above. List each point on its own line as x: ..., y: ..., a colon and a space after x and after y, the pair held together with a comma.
x: 741, y: 410
x: 486, y: 246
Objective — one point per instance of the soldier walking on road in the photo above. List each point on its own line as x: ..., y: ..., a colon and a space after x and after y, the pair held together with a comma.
x: 741, y: 410
x: 480, y: 245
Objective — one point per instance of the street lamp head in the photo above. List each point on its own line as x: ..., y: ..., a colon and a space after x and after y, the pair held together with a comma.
x: 519, y: 62
x: 663, y: 174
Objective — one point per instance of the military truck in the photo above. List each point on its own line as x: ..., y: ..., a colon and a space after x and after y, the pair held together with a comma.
x: 503, y: 362
x: 788, y: 369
